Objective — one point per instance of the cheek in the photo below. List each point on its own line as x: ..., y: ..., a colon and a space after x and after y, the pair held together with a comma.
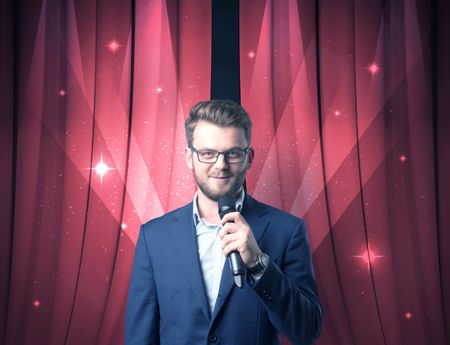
x: 198, y: 169
x: 241, y: 170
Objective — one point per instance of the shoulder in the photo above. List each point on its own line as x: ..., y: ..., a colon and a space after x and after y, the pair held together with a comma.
x: 183, y: 213
x: 277, y: 230
x: 278, y: 225
x: 267, y: 211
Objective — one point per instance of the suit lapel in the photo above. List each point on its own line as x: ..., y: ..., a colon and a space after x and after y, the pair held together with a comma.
x: 186, y: 249
x: 252, y: 212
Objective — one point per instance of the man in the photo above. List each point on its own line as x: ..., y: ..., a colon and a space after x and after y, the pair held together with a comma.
x: 182, y: 289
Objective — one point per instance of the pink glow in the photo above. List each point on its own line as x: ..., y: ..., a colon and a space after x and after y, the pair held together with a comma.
x: 337, y: 113
x: 403, y: 158
x: 373, y: 68
x: 113, y: 45
x: 408, y: 315
x: 368, y: 257
x: 251, y: 54
x: 101, y: 168
x: 62, y: 92
x: 36, y: 303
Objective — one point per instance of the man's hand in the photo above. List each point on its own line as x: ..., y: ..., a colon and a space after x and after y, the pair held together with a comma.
x: 237, y: 235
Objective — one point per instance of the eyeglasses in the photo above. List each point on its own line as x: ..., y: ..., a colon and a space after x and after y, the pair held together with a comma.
x: 236, y: 155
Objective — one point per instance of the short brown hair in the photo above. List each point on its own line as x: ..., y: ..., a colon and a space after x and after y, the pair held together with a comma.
x: 223, y: 113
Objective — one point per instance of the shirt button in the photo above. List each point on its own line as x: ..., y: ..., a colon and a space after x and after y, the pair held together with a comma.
x: 212, y: 338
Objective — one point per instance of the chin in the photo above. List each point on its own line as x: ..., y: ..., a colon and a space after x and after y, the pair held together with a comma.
x: 214, y: 195
x: 230, y: 191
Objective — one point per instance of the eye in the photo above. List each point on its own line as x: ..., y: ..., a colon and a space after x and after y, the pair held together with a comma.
x: 234, y: 154
x: 208, y: 154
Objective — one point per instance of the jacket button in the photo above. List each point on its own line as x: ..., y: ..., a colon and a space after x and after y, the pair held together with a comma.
x: 212, y: 338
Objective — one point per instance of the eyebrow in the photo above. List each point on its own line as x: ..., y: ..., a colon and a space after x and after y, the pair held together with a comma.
x: 232, y: 148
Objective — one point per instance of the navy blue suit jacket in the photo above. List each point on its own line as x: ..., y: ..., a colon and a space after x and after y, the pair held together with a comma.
x: 167, y: 302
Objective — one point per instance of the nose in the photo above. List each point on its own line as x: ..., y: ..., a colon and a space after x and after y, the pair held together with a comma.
x: 221, y: 162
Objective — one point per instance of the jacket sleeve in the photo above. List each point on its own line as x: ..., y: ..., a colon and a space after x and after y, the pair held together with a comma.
x: 290, y: 294
x: 142, y: 314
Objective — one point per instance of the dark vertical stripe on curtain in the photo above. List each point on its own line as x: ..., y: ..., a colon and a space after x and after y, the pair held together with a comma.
x: 225, y: 83
x: 322, y: 154
x: 83, y: 241
x: 173, y: 10
x: 127, y: 166
x: 360, y: 175
x: 434, y: 107
x: 441, y: 118
x: 8, y: 120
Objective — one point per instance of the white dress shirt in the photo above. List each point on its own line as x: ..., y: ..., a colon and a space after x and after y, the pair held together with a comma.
x: 210, y: 252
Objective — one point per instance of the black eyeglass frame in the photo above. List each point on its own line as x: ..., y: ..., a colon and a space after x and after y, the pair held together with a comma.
x: 224, y: 153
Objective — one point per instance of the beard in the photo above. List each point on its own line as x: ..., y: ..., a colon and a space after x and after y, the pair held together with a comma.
x: 232, y: 190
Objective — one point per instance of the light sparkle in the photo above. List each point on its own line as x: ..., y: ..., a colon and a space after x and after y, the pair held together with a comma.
x: 113, y: 45
x: 368, y: 256
x: 374, y: 69
x: 101, y: 168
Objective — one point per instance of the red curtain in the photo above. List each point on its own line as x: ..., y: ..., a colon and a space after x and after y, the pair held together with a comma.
x: 101, y: 91
x: 351, y: 123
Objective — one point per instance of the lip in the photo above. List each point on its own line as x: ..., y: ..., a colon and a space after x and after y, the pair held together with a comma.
x: 220, y: 178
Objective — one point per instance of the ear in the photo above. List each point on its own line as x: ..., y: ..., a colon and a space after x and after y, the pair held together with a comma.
x: 188, y: 157
x: 251, y: 156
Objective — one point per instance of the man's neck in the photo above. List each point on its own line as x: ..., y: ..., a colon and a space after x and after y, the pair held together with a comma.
x: 208, y: 209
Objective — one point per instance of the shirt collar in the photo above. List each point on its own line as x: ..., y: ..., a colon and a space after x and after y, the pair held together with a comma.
x: 196, y: 213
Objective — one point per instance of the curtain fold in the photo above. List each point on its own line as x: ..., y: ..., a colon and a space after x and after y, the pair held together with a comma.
x: 441, y: 127
x: 7, y: 154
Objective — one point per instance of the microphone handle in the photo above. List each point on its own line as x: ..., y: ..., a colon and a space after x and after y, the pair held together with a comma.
x: 226, y: 205
x: 237, y: 268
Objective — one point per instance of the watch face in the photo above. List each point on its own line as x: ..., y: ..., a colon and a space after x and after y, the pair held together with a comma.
x: 264, y: 260
x: 261, y: 263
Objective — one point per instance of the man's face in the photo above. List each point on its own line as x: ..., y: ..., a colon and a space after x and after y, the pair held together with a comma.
x: 222, y: 177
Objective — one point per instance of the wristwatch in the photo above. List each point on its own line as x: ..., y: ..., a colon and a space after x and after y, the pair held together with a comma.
x: 262, y: 261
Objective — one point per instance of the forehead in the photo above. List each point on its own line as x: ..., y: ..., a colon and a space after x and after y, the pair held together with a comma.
x: 209, y: 135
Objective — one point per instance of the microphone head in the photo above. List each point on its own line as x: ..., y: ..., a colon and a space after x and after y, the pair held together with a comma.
x: 227, y: 204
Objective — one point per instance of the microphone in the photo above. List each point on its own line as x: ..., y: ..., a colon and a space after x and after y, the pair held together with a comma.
x: 227, y: 205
